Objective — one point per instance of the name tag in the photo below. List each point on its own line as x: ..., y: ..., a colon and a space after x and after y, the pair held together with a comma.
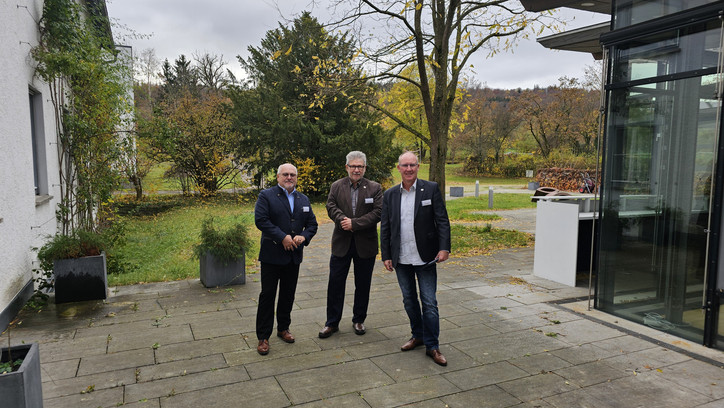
x: 369, y: 200
x: 305, y: 209
x: 425, y: 203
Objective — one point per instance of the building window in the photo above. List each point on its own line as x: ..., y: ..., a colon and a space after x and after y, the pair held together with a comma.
x: 37, y: 135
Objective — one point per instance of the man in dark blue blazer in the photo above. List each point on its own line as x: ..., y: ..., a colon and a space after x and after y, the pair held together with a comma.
x: 287, y: 224
x: 415, y: 236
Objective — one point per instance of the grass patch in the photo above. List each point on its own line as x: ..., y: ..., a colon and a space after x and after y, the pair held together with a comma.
x: 452, y: 178
x: 469, y: 208
x: 469, y: 241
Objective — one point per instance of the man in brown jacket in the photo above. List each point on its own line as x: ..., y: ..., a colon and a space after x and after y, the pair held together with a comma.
x: 355, y: 206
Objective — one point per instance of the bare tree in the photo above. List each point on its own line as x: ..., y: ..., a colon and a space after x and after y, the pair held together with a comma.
x: 148, y: 64
x: 212, y: 71
x: 439, y: 36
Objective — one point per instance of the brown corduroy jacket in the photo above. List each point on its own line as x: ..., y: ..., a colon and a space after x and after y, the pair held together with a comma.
x: 364, y: 222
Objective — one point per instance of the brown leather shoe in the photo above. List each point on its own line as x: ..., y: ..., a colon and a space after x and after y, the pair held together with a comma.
x: 411, y: 344
x: 263, y: 347
x: 286, y: 336
x: 359, y: 328
x: 327, y: 331
x: 437, y: 357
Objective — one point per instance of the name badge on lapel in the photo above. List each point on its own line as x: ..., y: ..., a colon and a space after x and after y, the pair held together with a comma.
x: 425, y: 203
x: 369, y: 200
x: 305, y: 209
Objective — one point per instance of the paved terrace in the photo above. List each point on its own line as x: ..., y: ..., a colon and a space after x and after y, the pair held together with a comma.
x: 507, y: 342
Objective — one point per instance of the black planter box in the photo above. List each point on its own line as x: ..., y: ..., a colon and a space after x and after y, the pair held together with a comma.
x: 80, y: 279
x: 22, y: 388
x: 214, y: 272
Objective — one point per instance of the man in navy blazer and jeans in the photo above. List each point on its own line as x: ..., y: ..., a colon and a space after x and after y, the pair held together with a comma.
x: 287, y: 224
x: 415, y: 236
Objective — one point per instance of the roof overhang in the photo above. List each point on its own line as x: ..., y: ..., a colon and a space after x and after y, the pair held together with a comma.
x: 584, y: 39
x: 596, y: 6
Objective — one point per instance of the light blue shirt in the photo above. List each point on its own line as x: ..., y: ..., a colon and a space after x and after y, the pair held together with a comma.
x: 408, y: 244
x: 290, y: 196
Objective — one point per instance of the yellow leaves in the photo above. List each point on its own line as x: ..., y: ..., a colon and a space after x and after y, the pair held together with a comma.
x: 296, y: 69
x: 418, y: 6
x: 276, y: 55
x: 289, y: 51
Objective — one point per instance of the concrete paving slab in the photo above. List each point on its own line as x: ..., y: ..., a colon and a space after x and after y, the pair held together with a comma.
x: 81, y: 385
x: 407, y: 365
x: 485, y: 397
x: 592, y: 373
x: 115, y: 361
x: 538, y: 386
x: 301, y: 362
x: 183, y: 384
x: 112, y: 397
x: 398, y: 394
x: 488, y: 374
x: 351, y: 400
x: 179, y: 368
x: 59, y: 370
x: 263, y: 393
x: 200, y: 348
x: 332, y: 381
x: 539, y: 363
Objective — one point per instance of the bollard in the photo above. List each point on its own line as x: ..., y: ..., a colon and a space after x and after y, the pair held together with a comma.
x: 490, y: 197
x: 477, y: 188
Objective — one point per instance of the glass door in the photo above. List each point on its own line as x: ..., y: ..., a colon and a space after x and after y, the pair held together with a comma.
x: 662, y: 138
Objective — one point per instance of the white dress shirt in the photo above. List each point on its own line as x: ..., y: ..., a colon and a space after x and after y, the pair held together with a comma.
x: 408, y: 245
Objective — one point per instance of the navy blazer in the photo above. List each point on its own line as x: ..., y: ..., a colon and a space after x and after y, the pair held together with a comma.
x: 275, y: 220
x: 432, y: 226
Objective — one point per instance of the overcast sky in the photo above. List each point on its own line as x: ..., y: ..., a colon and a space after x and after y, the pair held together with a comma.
x: 229, y: 27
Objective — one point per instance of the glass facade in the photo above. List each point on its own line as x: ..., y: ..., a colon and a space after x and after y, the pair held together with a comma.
x: 662, y: 135
x: 631, y: 12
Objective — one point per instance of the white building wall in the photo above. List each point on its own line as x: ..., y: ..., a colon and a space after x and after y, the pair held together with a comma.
x: 25, y: 219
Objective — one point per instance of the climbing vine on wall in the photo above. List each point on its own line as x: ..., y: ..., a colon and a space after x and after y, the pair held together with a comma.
x: 87, y: 80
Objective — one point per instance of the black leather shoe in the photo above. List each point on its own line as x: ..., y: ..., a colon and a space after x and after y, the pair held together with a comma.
x: 437, y: 357
x: 359, y: 328
x: 411, y: 344
x: 327, y: 331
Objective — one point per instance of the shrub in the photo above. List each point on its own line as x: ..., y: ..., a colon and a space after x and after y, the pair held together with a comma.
x: 227, y: 245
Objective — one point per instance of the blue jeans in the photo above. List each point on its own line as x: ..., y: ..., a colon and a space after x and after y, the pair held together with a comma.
x: 425, y: 321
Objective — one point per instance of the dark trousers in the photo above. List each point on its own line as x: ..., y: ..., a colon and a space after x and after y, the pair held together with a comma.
x: 338, y: 271
x: 284, y: 276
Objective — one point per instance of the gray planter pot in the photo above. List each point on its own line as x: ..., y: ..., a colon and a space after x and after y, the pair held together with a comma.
x: 215, y: 272
x: 22, y: 388
x: 80, y: 279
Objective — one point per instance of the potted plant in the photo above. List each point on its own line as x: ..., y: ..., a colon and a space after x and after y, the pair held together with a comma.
x: 222, y: 254
x: 20, y: 381
x: 78, y: 265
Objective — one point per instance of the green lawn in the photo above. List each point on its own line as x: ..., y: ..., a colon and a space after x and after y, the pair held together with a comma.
x: 453, y: 179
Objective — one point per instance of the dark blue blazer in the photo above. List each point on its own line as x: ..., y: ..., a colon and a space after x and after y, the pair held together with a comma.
x: 432, y: 226
x: 275, y: 220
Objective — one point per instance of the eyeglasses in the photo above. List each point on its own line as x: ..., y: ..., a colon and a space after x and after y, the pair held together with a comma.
x: 355, y: 167
x: 408, y: 165
x: 288, y: 174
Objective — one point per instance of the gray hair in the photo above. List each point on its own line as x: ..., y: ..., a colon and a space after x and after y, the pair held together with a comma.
x: 417, y: 161
x: 279, y: 169
x: 356, y: 155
